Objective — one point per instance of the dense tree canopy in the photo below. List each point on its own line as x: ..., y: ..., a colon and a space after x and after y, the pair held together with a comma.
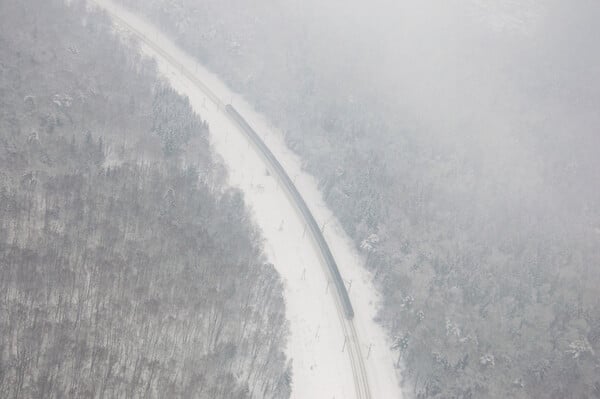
x: 122, y: 273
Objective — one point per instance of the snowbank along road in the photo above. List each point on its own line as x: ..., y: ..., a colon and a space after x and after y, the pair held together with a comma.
x: 333, y: 357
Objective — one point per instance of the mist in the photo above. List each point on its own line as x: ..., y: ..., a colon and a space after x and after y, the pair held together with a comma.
x: 277, y: 199
x: 516, y: 80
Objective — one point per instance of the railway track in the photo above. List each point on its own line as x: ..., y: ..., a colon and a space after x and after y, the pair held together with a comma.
x: 344, y: 308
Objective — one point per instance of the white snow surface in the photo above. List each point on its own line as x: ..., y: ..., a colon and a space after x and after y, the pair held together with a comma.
x: 320, y: 368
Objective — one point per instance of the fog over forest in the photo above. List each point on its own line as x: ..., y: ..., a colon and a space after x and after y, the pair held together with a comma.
x: 452, y: 145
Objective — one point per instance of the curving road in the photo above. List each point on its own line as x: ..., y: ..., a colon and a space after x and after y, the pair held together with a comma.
x: 351, y: 345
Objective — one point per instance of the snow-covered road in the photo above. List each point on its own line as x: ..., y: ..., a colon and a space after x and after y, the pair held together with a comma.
x: 319, y: 336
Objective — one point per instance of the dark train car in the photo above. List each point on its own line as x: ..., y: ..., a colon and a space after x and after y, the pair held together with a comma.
x: 302, y: 207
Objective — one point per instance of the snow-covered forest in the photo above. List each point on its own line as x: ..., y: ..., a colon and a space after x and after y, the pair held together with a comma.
x: 457, y: 143
x: 447, y: 148
x: 128, y: 268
